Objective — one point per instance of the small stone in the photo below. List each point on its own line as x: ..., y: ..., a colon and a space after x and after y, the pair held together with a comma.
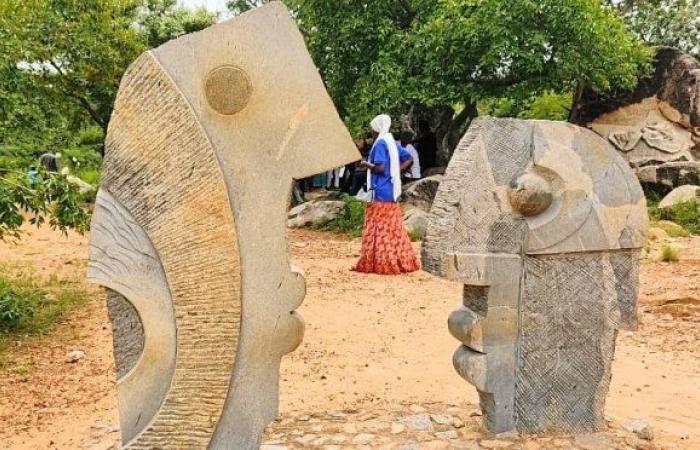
x: 410, y: 445
x: 457, y: 422
x: 417, y: 409
x: 75, y: 356
x: 507, y: 435
x: 363, y: 439
x: 441, y: 420
x: 639, y: 427
x: 450, y: 434
x: 419, y: 422
x: 397, y: 428
x: 303, y: 418
x: 592, y: 441
x: 305, y: 439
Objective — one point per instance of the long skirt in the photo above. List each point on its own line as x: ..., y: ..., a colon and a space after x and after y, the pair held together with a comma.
x: 386, y: 247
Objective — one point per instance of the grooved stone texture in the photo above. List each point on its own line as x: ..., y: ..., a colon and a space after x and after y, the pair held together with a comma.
x: 206, y: 130
x: 542, y: 222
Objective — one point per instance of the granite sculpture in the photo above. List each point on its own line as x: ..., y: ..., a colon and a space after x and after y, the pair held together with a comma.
x: 189, y: 235
x: 656, y: 126
x: 543, y: 223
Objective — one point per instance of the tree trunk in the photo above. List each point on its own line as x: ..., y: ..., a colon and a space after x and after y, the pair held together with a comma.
x: 456, y: 131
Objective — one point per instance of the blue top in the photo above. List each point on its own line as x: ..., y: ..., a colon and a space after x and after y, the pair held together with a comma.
x: 381, y: 182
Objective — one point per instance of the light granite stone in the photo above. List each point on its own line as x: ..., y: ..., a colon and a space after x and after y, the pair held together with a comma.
x: 543, y: 224
x: 208, y: 133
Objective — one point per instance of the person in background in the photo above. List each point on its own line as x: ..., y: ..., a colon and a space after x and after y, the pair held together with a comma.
x: 414, y: 173
x: 359, y: 176
x: 426, y: 146
x: 33, y: 175
x: 49, y: 161
x: 386, y: 247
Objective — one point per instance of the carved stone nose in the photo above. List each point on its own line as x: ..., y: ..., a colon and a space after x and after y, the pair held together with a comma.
x: 530, y: 194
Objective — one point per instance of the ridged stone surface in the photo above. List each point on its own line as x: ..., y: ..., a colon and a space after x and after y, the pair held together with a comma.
x: 161, y: 167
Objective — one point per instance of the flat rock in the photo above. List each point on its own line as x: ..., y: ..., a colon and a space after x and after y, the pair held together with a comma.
x: 314, y: 213
x: 640, y: 428
x: 419, y: 422
x: 75, y: 356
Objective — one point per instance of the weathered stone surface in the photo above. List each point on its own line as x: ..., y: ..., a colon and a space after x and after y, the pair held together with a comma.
x: 421, y: 194
x: 207, y: 135
x: 543, y: 223
x: 314, y: 213
x: 681, y: 194
x: 658, y: 122
x: 416, y: 221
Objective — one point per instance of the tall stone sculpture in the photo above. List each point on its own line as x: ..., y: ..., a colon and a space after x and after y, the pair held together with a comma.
x: 189, y: 231
x: 542, y: 222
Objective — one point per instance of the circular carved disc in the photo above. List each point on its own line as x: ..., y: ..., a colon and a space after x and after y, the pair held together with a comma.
x: 228, y: 90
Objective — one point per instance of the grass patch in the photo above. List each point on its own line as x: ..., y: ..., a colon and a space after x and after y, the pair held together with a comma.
x: 30, y: 306
x: 669, y: 254
x: 350, y: 222
x: 415, y: 235
x: 685, y: 215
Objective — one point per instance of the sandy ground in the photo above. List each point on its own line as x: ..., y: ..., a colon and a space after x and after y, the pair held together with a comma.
x: 371, y: 342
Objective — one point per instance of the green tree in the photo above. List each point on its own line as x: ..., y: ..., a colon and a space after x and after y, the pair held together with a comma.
x: 241, y: 6
x: 674, y: 23
x: 402, y: 55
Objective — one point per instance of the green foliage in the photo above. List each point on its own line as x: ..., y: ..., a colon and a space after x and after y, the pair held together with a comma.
x: 415, y: 235
x: 547, y: 106
x: 351, y: 222
x: 31, y: 306
x: 163, y: 20
x: 685, y: 215
x: 47, y: 197
x: 669, y: 254
x: 390, y: 56
x: 675, y: 23
x: 241, y: 6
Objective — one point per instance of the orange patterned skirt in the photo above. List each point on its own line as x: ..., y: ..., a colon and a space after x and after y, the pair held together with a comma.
x: 386, y: 247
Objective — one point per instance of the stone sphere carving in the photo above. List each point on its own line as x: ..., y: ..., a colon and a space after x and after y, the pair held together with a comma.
x: 530, y: 194
x: 228, y: 90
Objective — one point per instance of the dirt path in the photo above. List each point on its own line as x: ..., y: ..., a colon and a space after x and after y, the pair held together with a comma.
x: 372, y: 342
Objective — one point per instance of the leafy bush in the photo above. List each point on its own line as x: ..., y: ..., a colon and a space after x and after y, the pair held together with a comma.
x: 31, y: 306
x: 47, y: 196
x: 669, y: 254
x: 351, y: 222
x: 415, y: 235
x: 685, y: 215
x: 81, y: 158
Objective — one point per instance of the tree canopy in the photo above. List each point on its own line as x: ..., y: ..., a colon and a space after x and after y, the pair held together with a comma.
x: 390, y: 55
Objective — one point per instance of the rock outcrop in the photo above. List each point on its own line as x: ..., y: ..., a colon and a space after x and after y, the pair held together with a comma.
x: 657, y: 123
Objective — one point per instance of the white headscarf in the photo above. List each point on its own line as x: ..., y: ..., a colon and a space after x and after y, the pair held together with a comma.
x: 382, y: 124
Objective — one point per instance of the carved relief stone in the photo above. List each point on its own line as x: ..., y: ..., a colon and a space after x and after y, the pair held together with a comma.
x: 189, y: 232
x: 543, y: 223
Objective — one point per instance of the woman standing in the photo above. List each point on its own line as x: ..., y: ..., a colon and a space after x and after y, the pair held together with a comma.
x: 386, y: 247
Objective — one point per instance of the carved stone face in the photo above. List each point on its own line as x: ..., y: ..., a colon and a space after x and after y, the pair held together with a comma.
x: 207, y: 135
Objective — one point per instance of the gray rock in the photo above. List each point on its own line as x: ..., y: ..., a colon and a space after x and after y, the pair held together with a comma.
x: 680, y: 194
x: 314, y: 213
x: 75, y: 356
x: 639, y: 427
x: 419, y: 422
x: 546, y: 268
x: 420, y: 194
x: 410, y: 445
x: 416, y: 221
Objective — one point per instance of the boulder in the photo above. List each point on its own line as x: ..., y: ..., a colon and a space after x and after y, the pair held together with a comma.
x: 427, y: 173
x: 420, y: 194
x: 681, y: 194
x: 416, y: 221
x: 314, y: 213
x: 656, y: 123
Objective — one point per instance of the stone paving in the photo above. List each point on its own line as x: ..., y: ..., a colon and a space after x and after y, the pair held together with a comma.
x: 427, y: 427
